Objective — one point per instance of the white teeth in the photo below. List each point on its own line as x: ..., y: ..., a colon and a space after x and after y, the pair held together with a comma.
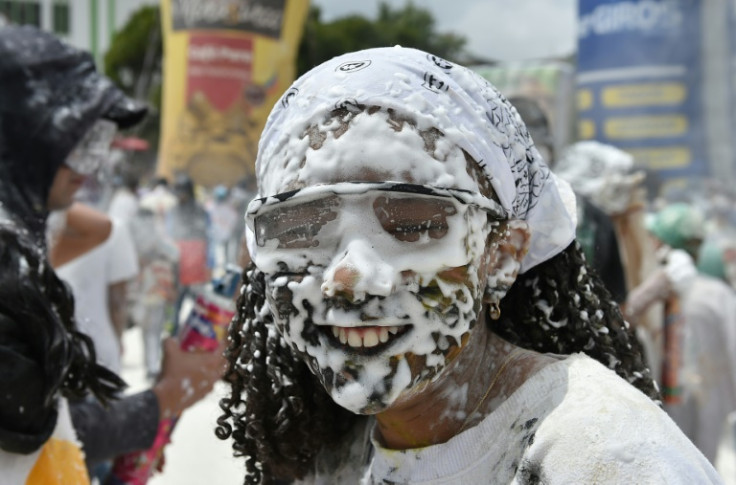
x: 365, y: 337
x: 343, y: 336
x: 370, y: 339
x: 354, y: 339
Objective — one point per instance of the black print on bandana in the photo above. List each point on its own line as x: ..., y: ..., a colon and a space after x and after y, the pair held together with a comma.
x: 440, y: 62
x: 287, y: 97
x: 434, y: 84
x: 530, y: 176
x: 350, y: 105
x: 529, y: 185
x: 352, y: 66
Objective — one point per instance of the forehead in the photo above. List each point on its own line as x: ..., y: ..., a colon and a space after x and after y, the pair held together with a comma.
x: 367, y: 147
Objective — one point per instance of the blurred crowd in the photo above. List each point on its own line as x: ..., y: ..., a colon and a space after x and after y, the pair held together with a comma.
x: 182, y: 237
x: 669, y: 259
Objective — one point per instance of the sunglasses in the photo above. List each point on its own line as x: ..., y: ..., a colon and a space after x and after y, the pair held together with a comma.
x: 306, y: 226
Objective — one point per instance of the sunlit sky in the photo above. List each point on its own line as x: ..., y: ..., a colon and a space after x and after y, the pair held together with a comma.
x: 495, y: 29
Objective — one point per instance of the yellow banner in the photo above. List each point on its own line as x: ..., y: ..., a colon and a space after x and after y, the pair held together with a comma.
x: 226, y: 63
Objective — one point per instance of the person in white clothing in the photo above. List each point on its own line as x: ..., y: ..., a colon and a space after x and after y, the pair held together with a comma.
x: 223, y: 220
x: 704, y: 385
x: 417, y: 309
x: 154, y: 307
x: 95, y: 255
x: 159, y: 200
x: 124, y: 202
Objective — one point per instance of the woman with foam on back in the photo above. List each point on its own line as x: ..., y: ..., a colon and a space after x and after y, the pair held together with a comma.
x: 417, y: 308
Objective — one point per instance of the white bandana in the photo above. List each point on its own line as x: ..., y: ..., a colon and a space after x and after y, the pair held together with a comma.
x: 466, y: 108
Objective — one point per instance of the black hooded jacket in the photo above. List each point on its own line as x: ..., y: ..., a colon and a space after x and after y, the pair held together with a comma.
x: 50, y: 95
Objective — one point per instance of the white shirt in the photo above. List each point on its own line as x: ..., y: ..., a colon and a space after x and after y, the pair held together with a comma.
x: 709, y: 363
x: 89, y: 276
x: 573, y: 422
x: 123, y: 206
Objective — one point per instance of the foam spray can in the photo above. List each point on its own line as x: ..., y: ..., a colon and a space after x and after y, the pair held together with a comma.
x: 205, y: 328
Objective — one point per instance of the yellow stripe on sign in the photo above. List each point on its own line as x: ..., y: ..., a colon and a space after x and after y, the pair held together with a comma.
x: 585, y: 99
x: 586, y: 129
x: 662, y: 157
x: 649, y: 94
x: 643, y: 127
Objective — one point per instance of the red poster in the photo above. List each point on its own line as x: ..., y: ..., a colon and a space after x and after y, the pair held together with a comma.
x: 219, y: 69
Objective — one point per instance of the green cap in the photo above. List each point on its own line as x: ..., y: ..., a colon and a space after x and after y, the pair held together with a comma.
x: 677, y: 224
x: 710, y: 260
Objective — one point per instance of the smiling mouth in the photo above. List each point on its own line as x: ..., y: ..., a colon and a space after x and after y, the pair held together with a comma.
x: 373, y: 338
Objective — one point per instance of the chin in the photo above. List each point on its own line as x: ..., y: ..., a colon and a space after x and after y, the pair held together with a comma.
x: 367, y: 406
x: 371, y: 389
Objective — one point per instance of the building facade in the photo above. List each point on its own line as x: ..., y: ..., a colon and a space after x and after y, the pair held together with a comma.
x: 87, y: 24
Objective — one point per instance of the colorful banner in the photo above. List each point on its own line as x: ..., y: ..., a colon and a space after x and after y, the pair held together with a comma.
x: 639, y: 83
x: 226, y: 62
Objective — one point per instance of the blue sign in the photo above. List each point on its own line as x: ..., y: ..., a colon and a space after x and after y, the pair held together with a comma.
x: 639, y: 81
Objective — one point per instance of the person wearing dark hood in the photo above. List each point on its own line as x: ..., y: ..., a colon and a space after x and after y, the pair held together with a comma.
x: 58, y: 116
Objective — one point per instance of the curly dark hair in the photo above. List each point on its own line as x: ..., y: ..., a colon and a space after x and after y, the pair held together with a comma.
x: 572, y: 311
x: 280, y: 417
x: 277, y: 413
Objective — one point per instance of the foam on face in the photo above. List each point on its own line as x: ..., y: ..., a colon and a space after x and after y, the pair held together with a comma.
x: 434, y: 304
x: 371, y: 146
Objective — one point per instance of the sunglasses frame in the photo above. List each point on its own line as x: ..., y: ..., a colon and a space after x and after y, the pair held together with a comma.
x: 466, y: 197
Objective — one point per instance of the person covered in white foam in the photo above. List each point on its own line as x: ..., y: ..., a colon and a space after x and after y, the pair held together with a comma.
x: 417, y: 310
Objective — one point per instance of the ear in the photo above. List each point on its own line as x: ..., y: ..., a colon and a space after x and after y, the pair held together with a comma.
x: 505, y: 263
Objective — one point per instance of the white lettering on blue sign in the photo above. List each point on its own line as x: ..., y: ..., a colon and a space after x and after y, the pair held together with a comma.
x: 645, y: 16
